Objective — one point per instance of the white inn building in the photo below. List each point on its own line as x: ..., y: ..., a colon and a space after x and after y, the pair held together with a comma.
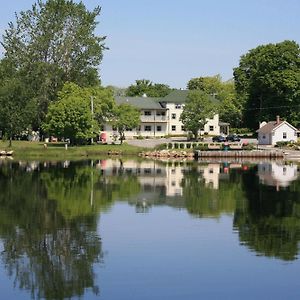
x: 160, y: 117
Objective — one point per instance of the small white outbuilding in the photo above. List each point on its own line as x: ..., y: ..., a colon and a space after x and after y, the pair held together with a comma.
x: 276, y: 131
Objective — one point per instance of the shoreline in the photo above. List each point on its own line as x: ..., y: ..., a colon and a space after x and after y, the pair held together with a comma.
x: 24, y: 150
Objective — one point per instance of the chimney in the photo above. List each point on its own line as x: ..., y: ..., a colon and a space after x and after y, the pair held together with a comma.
x: 277, y: 119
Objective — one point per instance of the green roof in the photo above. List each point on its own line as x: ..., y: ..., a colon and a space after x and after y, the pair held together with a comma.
x: 139, y: 102
x: 176, y: 96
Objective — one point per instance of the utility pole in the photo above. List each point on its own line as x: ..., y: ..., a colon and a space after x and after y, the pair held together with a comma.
x: 92, y: 111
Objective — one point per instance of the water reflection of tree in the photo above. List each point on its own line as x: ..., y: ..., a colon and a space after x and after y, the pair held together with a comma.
x: 203, y: 201
x: 47, y: 253
x: 268, y: 221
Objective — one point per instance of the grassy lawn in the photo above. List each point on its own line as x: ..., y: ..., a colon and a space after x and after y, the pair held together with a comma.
x: 25, y: 149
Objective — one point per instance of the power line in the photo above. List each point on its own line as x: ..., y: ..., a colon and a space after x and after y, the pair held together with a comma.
x: 270, y: 107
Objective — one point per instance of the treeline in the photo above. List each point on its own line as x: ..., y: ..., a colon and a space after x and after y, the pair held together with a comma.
x: 49, y: 79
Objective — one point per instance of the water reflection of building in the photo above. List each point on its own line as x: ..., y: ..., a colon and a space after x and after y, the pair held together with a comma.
x: 151, y: 174
x: 211, y: 174
x: 276, y: 174
x: 164, y: 177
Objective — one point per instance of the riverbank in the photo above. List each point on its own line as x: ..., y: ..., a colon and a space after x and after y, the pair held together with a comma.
x: 57, y: 151
x: 31, y: 150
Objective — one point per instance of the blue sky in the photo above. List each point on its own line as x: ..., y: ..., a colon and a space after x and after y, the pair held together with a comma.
x: 172, y: 41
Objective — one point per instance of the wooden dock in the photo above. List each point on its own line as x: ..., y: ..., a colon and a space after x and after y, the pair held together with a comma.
x: 240, y: 154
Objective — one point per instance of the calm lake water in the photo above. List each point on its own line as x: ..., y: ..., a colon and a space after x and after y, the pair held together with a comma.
x: 128, y: 229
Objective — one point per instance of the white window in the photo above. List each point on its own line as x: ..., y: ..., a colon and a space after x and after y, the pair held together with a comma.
x: 211, y: 128
x: 158, y: 128
x: 178, y: 106
x: 147, y: 113
x: 182, y: 128
x: 284, y: 135
x: 148, y: 128
x: 173, y: 128
x: 173, y: 116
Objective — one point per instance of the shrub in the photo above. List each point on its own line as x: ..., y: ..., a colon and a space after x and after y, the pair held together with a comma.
x: 243, y: 131
x: 161, y: 147
x: 201, y: 147
x: 281, y: 144
x: 139, y: 137
x: 249, y: 147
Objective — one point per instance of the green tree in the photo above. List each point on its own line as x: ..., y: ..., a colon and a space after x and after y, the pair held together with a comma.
x: 16, y: 107
x: 52, y: 43
x: 198, y: 108
x: 145, y: 86
x: 268, y: 83
x: 125, y: 117
x: 72, y: 116
x: 211, y: 85
x: 230, y: 109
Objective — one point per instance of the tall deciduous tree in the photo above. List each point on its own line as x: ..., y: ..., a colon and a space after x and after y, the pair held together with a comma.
x: 268, y: 83
x: 16, y: 107
x: 72, y: 115
x: 230, y: 108
x: 52, y: 43
x: 198, y: 108
x: 125, y: 117
x: 211, y: 85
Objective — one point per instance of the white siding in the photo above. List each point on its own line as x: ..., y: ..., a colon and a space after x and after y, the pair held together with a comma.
x: 212, y: 124
x: 278, y: 135
x: 169, y: 124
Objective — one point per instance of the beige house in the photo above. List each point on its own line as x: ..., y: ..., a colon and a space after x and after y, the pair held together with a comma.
x: 161, y: 117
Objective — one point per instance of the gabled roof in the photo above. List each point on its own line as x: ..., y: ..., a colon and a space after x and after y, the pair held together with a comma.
x: 273, y: 125
x: 139, y: 102
x: 176, y: 97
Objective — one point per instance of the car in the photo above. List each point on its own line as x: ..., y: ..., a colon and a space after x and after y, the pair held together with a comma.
x: 233, y: 138
x: 219, y: 139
